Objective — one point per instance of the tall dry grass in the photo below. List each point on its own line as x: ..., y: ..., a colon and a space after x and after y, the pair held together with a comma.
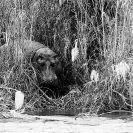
x: 50, y: 23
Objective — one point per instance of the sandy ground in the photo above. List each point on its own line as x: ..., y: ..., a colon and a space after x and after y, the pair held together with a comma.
x: 64, y: 124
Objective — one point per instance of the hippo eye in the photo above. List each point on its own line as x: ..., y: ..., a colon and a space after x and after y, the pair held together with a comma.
x: 53, y: 65
x: 42, y: 64
x: 40, y: 59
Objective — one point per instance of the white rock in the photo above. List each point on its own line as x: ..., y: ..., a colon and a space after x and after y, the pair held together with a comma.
x: 94, y: 76
x: 19, y: 100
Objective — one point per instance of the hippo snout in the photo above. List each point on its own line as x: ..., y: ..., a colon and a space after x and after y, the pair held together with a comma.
x: 49, y: 83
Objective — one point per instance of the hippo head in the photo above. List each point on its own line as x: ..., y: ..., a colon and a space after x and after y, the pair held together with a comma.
x: 47, y: 66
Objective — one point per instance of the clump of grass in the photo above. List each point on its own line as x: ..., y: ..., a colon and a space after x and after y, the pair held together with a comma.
x: 113, y: 39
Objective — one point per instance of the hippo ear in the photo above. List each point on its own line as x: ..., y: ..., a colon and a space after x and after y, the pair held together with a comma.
x: 53, y: 54
x: 46, y: 52
x: 33, y: 57
x: 57, y: 60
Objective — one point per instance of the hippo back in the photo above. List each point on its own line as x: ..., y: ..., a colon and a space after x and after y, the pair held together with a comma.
x: 30, y: 47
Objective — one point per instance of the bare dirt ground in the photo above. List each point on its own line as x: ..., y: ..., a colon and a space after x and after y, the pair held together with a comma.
x: 64, y: 124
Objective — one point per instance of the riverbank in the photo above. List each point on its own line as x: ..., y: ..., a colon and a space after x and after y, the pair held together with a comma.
x: 65, y: 124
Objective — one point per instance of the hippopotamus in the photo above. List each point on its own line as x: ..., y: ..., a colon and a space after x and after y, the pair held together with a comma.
x: 44, y: 61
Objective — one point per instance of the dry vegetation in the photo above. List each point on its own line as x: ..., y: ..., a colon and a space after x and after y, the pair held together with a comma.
x: 49, y: 22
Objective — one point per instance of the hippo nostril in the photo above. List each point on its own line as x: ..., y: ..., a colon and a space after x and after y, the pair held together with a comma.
x: 53, y: 82
x: 50, y: 78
